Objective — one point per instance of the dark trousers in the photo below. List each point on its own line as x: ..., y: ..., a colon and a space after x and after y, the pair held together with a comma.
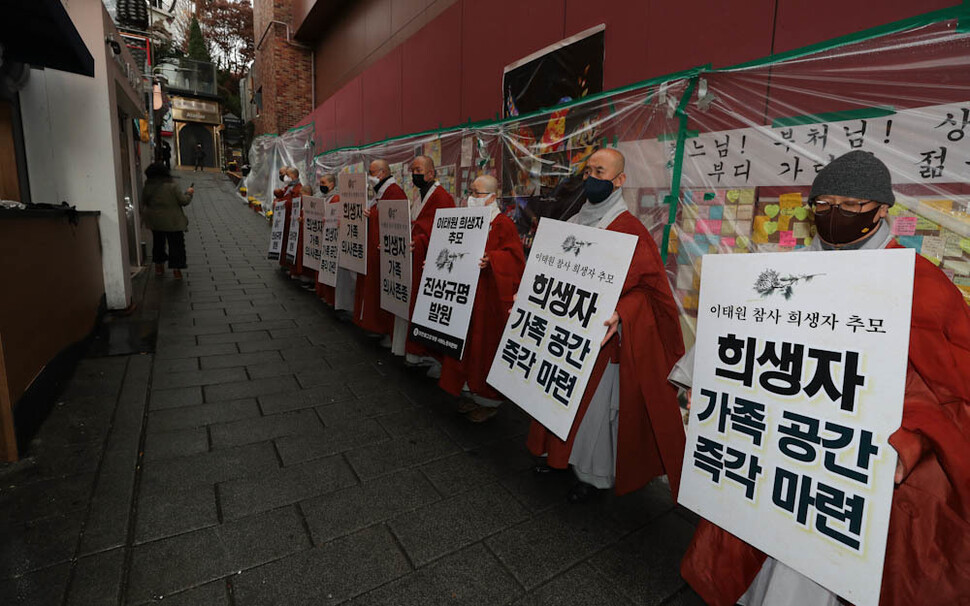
x: 199, y: 164
x: 176, y: 248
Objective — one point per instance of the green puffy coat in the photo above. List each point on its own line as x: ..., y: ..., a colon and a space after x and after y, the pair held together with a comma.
x: 163, y: 201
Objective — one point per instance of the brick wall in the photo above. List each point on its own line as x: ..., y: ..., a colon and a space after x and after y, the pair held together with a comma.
x: 282, y: 68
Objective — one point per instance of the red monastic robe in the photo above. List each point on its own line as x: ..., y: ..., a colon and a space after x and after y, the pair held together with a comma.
x: 367, y: 297
x: 928, y: 547
x: 497, y: 285
x: 328, y: 293
x: 287, y: 196
x: 421, y: 235
x: 651, y: 438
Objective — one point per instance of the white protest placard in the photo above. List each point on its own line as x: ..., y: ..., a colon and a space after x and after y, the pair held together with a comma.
x: 395, y: 222
x: 293, y: 237
x: 799, y: 374
x: 353, y: 224
x: 446, y: 292
x: 572, y: 282
x: 314, y: 215
x: 327, y: 274
x: 277, y: 229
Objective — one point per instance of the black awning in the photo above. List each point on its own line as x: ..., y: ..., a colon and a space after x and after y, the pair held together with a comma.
x: 40, y: 33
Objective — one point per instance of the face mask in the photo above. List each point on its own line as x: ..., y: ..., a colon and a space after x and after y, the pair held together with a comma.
x: 418, y: 180
x: 475, y: 201
x: 324, y: 189
x: 835, y: 227
x: 597, y: 190
x: 373, y: 180
x: 282, y: 177
x: 287, y: 180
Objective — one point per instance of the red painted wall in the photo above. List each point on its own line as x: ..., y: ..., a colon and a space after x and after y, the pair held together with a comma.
x: 451, y: 70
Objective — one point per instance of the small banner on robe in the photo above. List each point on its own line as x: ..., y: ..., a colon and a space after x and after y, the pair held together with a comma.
x: 572, y: 282
x: 314, y: 215
x: 353, y: 224
x: 327, y: 273
x: 446, y: 292
x: 395, y: 222
x: 277, y: 229
x: 293, y: 238
x: 799, y: 376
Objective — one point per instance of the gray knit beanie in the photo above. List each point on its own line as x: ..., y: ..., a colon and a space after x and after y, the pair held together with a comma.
x: 857, y: 174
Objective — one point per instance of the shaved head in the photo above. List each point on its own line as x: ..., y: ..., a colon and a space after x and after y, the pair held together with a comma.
x: 423, y: 165
x: 611, y: 159
x: 485, y: 184
x: 293, y: 172
x: 380, y: 168
x: 328, y: 180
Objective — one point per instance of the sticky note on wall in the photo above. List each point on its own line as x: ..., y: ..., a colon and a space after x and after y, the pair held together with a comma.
x: 904, y: 226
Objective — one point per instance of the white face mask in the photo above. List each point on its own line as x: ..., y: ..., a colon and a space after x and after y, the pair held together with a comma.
x: 373, y: 180
x: 474, y: 202
x: 287, y: 180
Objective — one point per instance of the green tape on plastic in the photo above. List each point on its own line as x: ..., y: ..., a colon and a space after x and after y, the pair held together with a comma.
x: 863, y: 113
x: 616, y: 140
x: 674, y: 196
x: 612, y: 108
x: 963, y: 23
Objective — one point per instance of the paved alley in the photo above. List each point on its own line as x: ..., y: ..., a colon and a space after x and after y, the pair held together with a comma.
x: 267, y: 453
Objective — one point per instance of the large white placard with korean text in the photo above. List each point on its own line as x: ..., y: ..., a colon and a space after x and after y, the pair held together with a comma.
x: 293, y: 238
x: 327, y: 274
x: 353, y: 223
x: 314, y: 215
x: 276, y: 230
x: 799, y: 374
x: 449, y: 280
x: 395, y: 221
x: 572, y: 282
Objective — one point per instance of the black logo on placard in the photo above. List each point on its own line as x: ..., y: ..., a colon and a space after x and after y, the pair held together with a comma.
x: 446, y: 259
x: 391, y: 212
x: 572, y: 245
x: 770, y: 282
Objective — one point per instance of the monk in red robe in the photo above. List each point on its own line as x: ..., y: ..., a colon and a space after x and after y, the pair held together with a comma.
x: 433, y: 197
x: 628, y: 427
x: 296, y: 269
x: 928, y: 546
x: 291, y: 188
x: 501, y: 271
x: 328, y: 185
x: 367, y: 298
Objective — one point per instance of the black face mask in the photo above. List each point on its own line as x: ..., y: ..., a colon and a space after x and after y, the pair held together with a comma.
x: 282, y: 177
x: 324, y: 189
x: 597, y: 190
x: 419, y: 181
x: 837, y: 227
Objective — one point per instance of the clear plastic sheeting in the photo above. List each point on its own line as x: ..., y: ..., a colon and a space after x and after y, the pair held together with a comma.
x: 539, y: 158
x: 758, y: 134
x: 269, y: 153
x: 721, y: 161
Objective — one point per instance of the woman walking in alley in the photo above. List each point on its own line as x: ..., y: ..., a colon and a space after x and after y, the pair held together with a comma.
x: 163, y: 202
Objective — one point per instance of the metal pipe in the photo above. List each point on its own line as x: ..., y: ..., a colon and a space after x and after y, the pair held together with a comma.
x: 289, y: 38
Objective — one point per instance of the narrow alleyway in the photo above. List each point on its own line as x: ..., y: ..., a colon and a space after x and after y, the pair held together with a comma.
x: 267, y: 453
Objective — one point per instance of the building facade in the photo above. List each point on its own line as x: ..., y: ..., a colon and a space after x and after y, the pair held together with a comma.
x: 83, y: 143
x: 384, y: 68
x: 282, y: 71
